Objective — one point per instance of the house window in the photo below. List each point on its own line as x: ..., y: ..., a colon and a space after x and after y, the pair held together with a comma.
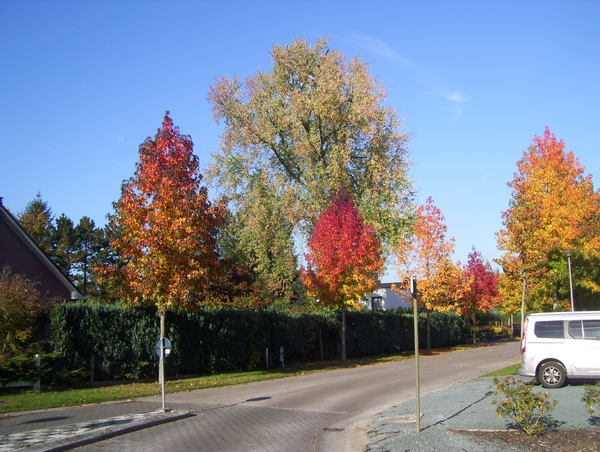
x: 377, y: 303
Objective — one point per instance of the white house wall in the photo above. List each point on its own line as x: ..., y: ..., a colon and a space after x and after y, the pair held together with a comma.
x: 390, y: 299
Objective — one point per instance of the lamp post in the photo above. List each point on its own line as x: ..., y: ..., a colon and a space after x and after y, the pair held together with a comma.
x: 569, y: 254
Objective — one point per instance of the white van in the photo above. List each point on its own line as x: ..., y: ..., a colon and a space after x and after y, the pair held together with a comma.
x: 560, y: 345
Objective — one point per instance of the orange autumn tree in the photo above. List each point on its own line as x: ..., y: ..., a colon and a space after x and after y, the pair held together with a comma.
x: 166, y: 225
x: 553, y: 207
x: 427, y: 256
x: 345, y: 262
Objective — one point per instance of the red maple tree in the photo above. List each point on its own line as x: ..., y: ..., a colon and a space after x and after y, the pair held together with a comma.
x: 476, y: 289
x: 167, y: 226
x: 345, y: 260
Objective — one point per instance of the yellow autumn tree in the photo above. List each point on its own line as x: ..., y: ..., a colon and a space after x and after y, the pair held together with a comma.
x: 427, y: 255
x: 553, y: 208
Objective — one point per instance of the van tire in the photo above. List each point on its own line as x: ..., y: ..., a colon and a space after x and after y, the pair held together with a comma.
x: 552, y: 374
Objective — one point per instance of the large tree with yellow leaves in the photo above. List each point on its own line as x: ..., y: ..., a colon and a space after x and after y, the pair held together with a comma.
x: 553, y: 208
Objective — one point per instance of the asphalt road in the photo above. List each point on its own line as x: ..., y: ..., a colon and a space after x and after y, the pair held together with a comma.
x: 322, y: 412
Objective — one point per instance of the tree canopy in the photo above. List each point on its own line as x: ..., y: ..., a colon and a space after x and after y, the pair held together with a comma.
x: 345, y: 260
x: 427, y: 255
x: 20, y: 304
x: 553, y: 208
x: 312, y: 124
x: 167, y: 227
x: 38, y: 221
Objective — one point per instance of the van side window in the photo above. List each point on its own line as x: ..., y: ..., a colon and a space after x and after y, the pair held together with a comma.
x: 575, y: 329
x: 591, y: 329
x: 550, y: 329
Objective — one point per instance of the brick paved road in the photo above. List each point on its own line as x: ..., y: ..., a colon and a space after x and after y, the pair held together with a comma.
x: 321, y: 412
x: 230, y: 428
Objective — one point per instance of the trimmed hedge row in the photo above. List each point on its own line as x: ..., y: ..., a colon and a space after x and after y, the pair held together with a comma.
x: 121, y: 340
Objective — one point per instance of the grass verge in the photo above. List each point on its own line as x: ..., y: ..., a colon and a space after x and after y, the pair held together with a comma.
x: 510, y: 370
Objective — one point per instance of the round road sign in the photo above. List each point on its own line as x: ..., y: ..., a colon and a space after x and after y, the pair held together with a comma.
x: 166, y: 347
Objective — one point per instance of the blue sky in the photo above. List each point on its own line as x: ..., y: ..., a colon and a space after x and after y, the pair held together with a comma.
x: 84, y: 83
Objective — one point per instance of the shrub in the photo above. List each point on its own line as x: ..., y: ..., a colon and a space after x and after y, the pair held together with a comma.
x: 50, y: 371
x: 20, y: 305
x: 591, y: 398
x: 518, y: 403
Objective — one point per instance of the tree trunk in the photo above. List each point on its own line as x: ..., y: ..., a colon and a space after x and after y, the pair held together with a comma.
x: 343, y: 334
x: 428, y: 332
x: 161, y: 362
x: 474, y: 328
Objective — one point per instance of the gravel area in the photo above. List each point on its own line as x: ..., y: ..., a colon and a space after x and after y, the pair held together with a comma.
x: 465, y: 406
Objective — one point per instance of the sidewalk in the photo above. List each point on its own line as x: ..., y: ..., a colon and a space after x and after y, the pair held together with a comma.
x: 65, y: 428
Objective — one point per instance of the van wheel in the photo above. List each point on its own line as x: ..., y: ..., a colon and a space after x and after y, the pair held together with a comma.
x: 552, y: 374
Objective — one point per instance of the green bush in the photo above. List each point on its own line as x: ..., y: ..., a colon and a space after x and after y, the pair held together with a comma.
x: 591, y: 398
x: 517, y: 402
x: 50, y: 372
x: 19, y: 368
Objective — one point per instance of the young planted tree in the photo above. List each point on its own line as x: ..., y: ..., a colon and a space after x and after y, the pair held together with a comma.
x: 345, y: 262
x: 427, y: 255
x: 166, y: 225
x: 476, y: 291
x: 313, y: 123
x: 553, y: 208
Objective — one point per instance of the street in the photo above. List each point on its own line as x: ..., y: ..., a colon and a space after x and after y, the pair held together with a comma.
x: 328, y: 411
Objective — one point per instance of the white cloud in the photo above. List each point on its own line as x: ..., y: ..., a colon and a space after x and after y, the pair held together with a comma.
x: 456, y: 100
x: 457, y: 97
x: 381, y: 48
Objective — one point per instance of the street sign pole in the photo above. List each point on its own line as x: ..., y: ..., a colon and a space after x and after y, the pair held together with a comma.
x: 163, y: 349
x: 162, y: 371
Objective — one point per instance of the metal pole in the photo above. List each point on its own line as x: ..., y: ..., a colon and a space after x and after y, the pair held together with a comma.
x: 523, y: 306
x: 571, y: 284
x: 162, y: 371
x: 569, y: 254
x: 417, y: 379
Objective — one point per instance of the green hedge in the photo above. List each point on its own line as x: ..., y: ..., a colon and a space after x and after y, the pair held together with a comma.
x: 122, y: 340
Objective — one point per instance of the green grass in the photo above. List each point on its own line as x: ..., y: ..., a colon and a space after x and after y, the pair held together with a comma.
x: 12, y: 401
x: 510, y: 370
